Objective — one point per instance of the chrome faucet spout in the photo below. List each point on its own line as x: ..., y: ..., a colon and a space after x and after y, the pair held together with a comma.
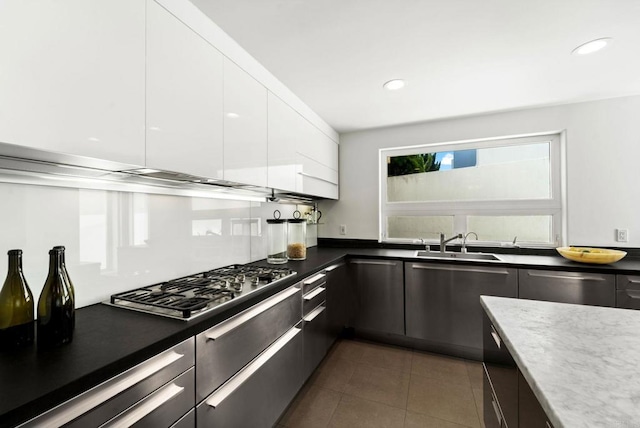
x: 464, y: 241
x: 443, y: 241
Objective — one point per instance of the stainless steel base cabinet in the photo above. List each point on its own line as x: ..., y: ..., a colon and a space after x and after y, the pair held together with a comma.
x: 155, y: 393
x: 379, y: 290
x: 257, y: 395
x: 627, y: 292
x: 443, y: 302
x: 340, y: 299
x: 583, y: 288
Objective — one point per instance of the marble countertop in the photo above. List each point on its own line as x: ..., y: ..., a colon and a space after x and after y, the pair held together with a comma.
x: 582, y: 362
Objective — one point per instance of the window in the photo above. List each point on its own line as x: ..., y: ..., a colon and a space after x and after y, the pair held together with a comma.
x: 499, y: 188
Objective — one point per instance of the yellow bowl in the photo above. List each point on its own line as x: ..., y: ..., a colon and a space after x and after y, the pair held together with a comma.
x: 591, y: 255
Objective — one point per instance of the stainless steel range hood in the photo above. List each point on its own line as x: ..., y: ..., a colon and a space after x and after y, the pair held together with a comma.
x: 25, y: 165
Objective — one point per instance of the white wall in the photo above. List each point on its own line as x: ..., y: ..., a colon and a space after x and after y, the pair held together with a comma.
x: 603, y: 149
x: 90, y: 223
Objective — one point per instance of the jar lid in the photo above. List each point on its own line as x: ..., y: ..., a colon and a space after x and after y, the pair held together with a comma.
x: 297, y: 220
x: 276, y: 220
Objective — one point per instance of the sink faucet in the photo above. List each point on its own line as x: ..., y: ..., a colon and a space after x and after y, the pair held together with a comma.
x: 443, y: 242
x: 464, y: 241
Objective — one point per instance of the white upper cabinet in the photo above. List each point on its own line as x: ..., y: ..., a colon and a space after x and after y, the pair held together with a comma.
x: 285, y: 126
x: 184, y: 98
x: 72, y: 77
x: 245, y: 127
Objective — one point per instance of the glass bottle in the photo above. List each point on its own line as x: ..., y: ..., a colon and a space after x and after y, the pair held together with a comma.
x: 16, y: 307
x: 56, y: 311
x: 65, y: 274
x: 297, y: 240
x: 277, y: 236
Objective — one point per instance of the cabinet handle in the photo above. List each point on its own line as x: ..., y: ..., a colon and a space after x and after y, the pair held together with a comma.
x: 496, y: 336
x: 304, y: 174
x: 634, y: 294
x: 147, y: 406
x: 314, y: 293
x: 218, y: 397
x: 313, y: 314
x: 371, y: 262
x: 582, y: 277
x: 460, y: 268
x: 314, y: 278
x: 103, y: 393
x: 333, y: 267
x: 496, y: 409
x: 548, y: 425
x: 231, y: 324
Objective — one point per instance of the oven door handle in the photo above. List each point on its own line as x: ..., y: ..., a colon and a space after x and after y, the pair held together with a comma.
x: 236, y: 321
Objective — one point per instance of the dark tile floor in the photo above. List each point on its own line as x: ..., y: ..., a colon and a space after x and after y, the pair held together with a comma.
x: 362, y: 384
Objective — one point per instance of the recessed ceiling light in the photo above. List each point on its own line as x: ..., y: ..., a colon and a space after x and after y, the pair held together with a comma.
x: 592, y: 46
x: 394, y: 84
x: 232, y: 115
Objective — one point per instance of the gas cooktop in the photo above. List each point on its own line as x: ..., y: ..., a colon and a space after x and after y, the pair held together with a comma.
x: 188, y: 297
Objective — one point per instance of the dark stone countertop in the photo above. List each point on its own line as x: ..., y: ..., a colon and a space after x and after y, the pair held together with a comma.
x: 109, y: 340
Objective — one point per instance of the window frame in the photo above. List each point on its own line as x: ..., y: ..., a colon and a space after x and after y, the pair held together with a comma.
x: 555, y: 206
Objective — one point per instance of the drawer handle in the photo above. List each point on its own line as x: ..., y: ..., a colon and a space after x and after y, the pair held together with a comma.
x: 314, y: 293
x: 460, y: 268
x: 634, y: 294
x: 496, y: 336
x: 367, y: 262
x: 313, y: 314
x: 231, y: 324
x: 548, y: 425
x: 304, y: 174
x: 496, y: 409
x: 101, y: 393
x: 333, y: 267
x: 582, y: 277
x: 218, y: 397
x: 314, y: 278
x: 147, y: 406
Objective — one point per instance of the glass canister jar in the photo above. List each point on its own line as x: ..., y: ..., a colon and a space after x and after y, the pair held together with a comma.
x: 297, y: 241
x: 277, y: 239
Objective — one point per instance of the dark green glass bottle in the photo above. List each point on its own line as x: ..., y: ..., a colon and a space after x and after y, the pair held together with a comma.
x: 65, y: 274
x: 56, y: 310
x: 16, y: 307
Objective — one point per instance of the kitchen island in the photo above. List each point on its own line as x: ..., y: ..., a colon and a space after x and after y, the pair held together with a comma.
x: 581, y: 362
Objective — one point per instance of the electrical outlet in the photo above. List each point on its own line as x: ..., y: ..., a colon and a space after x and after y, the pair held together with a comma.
x: 622, y: 235
x: 343, y: 229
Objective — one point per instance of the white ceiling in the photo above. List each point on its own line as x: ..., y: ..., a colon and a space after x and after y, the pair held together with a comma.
x: 458, y: 57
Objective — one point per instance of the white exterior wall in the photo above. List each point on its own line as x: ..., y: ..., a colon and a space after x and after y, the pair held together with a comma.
x: 603, y: 148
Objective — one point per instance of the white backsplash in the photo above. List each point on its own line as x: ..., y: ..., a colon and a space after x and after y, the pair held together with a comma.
x: 117, y: 241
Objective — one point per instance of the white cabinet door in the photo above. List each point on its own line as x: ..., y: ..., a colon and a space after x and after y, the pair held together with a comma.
x: 284, y: 130
x: 245, y: 127
x: 184, y: 98
x: 72, y: 77
x: 317, y: 163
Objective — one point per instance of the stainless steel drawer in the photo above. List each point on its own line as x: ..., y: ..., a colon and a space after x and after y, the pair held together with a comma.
x: 224, y: 349
x: 103, y: 402
x: 161, y: 408
x: 316, y: 339
x: 187, y: 421
x: 312, y: 282
x: 312, y: 299
x: 256, y: 396
x: 567, y: 287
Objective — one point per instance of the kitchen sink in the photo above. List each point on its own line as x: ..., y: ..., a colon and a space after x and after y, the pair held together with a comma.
x: 459, y: 256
